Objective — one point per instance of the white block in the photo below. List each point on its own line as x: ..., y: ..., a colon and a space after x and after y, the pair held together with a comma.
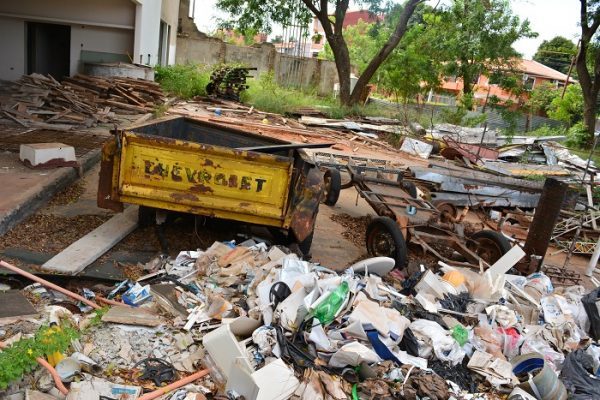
x: 42, y: 153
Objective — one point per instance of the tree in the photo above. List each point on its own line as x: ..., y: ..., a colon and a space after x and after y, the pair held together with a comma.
x: 569, y: 108
x: 477, y: 36
x: 541, y: 97
x: 361, y: 40
x: 260, y: 14
x: 556, y: 53
x: 414, y: 67
x: 589, y: 79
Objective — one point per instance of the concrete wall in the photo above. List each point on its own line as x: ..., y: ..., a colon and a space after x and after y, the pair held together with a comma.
x: 12, y: 46
x: 170, y: 13
x: 96, y: 25
x: 198, y: 48
x: 147, y: 29
x: 97, y: 38
x: 113, y: 13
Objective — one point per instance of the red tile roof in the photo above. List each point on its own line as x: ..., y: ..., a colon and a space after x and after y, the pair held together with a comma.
x: 535, y: 68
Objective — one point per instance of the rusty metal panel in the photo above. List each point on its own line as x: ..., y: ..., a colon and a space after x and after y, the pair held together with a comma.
x: 306, y: 203
x: 542, y: 226
x: 203, y: 179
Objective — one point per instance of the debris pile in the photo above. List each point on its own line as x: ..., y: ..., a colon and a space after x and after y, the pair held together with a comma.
x: 38, y: 101
x: 249, y: 321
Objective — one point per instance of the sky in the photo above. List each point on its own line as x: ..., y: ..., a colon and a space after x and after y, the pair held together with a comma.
x: 548, y: 18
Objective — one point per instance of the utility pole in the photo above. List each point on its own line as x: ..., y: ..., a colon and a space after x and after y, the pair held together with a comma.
x: 570, y: 69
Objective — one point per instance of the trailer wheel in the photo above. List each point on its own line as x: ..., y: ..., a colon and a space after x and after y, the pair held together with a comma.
x: 333, y: 185
x: 489, y: 245
x: 385, y: 239
x: 146, y: 216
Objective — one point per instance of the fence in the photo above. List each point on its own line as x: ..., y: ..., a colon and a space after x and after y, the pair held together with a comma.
x: 494, y: 119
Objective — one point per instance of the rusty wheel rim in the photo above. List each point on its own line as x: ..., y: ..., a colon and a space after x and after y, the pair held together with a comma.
x: 381, y: 243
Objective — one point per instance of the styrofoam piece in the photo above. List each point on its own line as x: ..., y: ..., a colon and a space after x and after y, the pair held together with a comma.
x: 375, y: 265
x: 275, y: 381
x: 42, y: 153
x: 225, y: 349
x: 506, y: 262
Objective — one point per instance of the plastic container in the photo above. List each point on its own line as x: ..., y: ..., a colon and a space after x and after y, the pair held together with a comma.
x: 537, y: 378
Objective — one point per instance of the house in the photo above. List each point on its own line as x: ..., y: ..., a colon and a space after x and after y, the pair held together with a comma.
x: 59, y: 37
x: 532, y: 73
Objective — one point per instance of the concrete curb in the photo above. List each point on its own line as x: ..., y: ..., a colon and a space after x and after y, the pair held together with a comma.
x: 47, y: 191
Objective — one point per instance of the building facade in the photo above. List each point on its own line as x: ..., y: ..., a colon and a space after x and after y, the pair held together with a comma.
x: 59, y: 37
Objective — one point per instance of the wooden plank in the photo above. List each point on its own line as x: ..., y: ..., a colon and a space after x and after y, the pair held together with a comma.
x: 590, y: 199
x: 131, y: 316
x: 90, y: 247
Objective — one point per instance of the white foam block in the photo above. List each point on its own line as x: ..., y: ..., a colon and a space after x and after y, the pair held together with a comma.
x: 41, y: 153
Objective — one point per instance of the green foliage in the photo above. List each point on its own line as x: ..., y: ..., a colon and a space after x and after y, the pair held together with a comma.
x: 556, y: 53
x: 568, y: 109
x: 541, y: 97
x: 414, y: 67
x: 459, y: 116
x: 477, y: 36
x: 183, y: 80
x: 363, y: 43
x: 546, y: 130
x: 266, y: 95
x: 20, y: 358
x: 577, y: 136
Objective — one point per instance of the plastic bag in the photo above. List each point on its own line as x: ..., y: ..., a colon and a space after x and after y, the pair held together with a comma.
x: 535, y: 344
x: 486, y: 339
x: 589, y: 303
x: 576, y: 376
x: 432, y: 336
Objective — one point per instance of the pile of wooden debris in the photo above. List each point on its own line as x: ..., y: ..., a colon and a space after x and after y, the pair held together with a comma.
x: 38, y: 101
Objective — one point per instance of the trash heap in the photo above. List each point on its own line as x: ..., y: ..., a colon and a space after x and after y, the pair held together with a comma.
x: 249, y: 321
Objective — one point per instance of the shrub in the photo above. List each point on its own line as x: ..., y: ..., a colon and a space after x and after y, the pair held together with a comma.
x: 577, y: 136
x: 183, y: 80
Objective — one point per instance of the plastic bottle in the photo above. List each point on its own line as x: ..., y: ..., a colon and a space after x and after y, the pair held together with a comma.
x: 325, y: 312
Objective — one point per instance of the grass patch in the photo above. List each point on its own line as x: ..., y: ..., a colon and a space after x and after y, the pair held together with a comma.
x: 266, y: 95
x: 183, y: 80
x: 585, y: 153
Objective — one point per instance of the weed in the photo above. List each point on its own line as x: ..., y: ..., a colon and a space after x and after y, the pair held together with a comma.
x: 546, y: 130
x: 183, y: 80
x: 266, y: 95
x: 20, y: 358
x: 97, y: 319
x: 160, y: 110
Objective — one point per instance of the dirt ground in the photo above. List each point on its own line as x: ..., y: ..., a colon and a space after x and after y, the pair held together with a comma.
x: 339, y: 239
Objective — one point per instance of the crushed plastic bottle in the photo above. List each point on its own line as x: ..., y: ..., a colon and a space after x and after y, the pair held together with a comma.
x: 326, y: 310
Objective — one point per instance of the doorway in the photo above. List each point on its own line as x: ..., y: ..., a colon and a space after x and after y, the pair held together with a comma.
x: 48, y: 49
x: 163, y: 43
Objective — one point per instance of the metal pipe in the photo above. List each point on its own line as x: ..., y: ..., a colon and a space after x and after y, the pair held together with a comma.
x: 112, y: 302
x: 49, y: 284
x: 175, y: 385
x: 542, y: 226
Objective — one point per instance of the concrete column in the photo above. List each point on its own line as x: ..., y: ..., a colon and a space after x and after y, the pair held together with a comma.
x: 594, y: 260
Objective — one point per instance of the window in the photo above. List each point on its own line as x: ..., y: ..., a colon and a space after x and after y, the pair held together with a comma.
x: 528, y: 82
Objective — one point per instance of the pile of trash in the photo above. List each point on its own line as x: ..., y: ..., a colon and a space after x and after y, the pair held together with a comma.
x: 249, y: 321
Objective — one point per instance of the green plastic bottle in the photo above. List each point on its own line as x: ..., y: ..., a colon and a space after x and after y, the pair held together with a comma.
x: 325, y: 312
